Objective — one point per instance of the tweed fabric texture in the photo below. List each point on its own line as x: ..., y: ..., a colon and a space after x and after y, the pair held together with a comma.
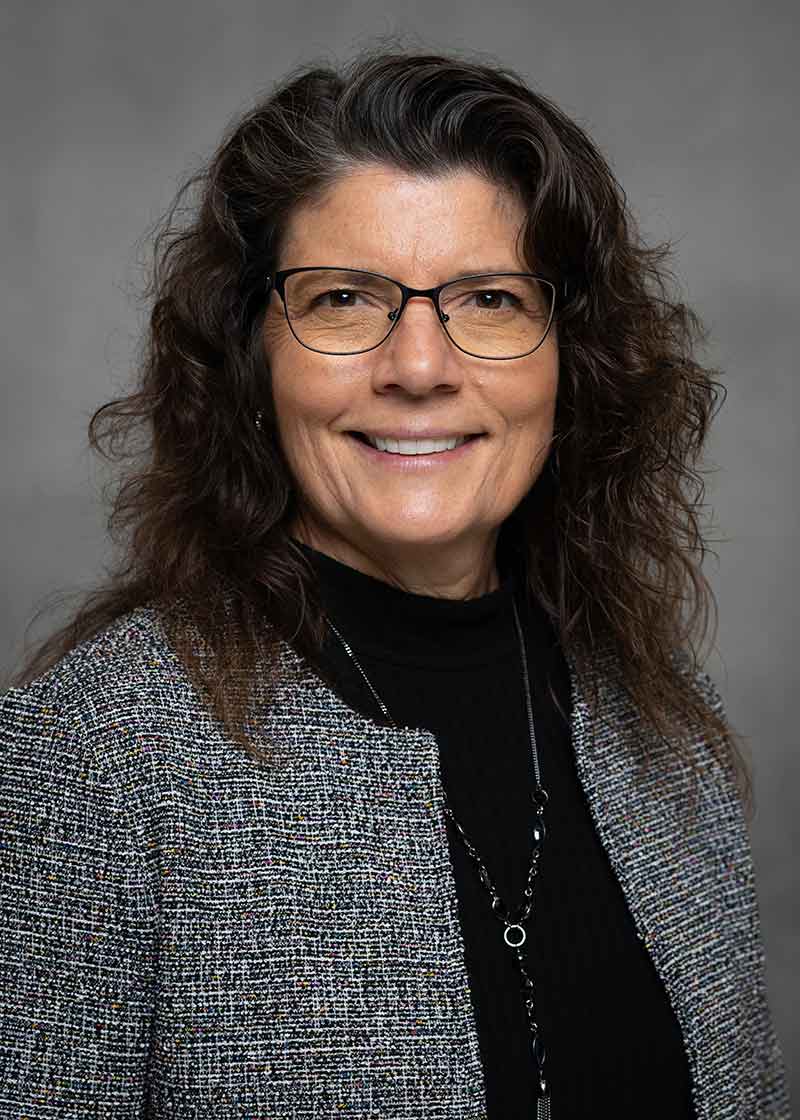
x: 189, y: 933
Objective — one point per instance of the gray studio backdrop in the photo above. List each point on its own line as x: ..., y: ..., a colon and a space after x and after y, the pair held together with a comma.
x: 107, y: 104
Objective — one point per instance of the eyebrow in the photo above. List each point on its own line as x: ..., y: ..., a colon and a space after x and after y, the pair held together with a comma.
x: 480, y: 269
x: 477, y: 270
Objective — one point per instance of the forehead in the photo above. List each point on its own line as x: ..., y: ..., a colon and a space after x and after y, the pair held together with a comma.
x: 381, y: 218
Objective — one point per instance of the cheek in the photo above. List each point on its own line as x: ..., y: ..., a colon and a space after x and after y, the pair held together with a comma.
x: 309, y: 401
x: 311, y: 392
x: 531, y: 420
x: 301, y: 393
x: 530, y: 402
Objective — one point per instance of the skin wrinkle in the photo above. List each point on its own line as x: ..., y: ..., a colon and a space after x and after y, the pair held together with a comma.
x: 432, y: 532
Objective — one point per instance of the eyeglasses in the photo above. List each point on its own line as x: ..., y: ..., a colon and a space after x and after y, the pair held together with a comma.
x: 496, y: 315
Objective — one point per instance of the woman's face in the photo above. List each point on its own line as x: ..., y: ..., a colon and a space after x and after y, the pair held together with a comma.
x: 433, y: 520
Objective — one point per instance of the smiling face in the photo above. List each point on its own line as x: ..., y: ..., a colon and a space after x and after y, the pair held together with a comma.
x: 430, y: 522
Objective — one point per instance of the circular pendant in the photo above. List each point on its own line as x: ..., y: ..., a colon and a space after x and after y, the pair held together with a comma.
x: 519, y: 935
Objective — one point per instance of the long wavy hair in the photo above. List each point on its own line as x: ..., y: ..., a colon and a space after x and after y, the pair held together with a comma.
x: 610, y: 534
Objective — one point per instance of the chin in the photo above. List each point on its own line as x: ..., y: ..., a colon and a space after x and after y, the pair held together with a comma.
x: 417, y: 536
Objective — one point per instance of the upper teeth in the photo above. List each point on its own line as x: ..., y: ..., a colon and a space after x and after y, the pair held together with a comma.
x: 416, y: 446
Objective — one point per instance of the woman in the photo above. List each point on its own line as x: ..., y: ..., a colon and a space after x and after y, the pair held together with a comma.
x: 382, y: 779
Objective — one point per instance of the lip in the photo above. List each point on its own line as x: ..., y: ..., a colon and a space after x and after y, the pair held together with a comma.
x: 394, y: 461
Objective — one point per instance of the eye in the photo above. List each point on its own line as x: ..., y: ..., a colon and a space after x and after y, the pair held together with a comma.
x: 491, y: 299
x: 338, y: 297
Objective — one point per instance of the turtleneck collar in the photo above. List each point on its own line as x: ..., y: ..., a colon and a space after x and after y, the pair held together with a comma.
x: 404, y: 628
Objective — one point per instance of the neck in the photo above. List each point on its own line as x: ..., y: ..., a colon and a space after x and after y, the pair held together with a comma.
x: 455, y: 571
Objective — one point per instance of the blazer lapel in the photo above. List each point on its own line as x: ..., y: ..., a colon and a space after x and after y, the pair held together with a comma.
x: 674, y: 876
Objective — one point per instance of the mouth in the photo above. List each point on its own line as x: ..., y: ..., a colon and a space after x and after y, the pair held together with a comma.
x: 413, y: 447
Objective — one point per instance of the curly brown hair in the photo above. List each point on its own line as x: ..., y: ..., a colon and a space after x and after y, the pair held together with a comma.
x: 610, y: 533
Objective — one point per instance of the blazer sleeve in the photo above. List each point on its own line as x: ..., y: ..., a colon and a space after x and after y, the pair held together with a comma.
x: 77, y: 925
x: 771, y: 1089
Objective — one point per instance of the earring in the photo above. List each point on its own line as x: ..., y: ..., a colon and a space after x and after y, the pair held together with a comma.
x: 259, y: 414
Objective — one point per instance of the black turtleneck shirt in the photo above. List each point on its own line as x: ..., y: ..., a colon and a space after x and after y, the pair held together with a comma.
x: 613, y: 1044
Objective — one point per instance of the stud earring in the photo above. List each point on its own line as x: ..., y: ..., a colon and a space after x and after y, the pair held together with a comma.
x: 259, y: 414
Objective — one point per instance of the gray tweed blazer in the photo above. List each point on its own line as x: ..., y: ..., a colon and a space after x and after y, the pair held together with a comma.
x: 189, y: 933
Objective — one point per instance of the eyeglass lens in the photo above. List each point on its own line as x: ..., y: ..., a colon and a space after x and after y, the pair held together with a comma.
x: 339, y: 312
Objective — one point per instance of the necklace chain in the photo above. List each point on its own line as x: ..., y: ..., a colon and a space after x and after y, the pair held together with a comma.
x: 514, y: 933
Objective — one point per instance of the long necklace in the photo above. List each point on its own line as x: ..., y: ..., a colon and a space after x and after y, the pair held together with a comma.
x: 514, y: 933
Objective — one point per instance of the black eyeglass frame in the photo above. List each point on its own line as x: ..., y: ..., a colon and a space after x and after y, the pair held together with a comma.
x: 277, y: 281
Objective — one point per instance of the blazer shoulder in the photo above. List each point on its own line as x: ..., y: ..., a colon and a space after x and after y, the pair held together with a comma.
x: 700, y: 680
x: 109, y: 688
x: 713, y: 755
x: 133, y: 649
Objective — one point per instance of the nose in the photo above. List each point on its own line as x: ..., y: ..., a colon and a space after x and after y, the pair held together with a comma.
x: 417, y: 356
